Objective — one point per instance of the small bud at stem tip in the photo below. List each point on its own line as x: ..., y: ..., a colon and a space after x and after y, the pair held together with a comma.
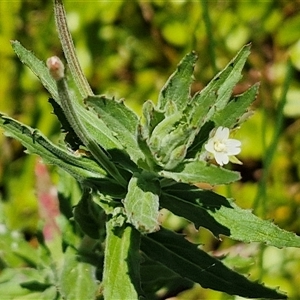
x: 56, y: 67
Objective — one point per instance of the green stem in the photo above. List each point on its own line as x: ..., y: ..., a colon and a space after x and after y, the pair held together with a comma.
x: 69, y: 49
x: 85, y: 90
x: 82, y: 133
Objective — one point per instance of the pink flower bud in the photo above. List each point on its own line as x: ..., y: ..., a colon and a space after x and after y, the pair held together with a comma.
x: 56, y: 67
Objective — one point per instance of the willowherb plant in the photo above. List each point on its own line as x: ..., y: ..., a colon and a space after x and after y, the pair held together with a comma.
x: 129, y: 168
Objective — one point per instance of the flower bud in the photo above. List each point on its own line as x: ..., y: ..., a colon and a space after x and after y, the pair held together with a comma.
x: 56, y: 67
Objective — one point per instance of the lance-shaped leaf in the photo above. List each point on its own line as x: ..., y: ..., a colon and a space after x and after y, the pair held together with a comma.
x: 37, y: 66
x: 121, y: 275
x: 215, y: 96
x: 157, y: 278
x: 224, y: 82
x: 200, y: 171
x: 142, y: 202
x: 201, y: 137
x: 121, y: 121
x: 71, y: 138
x: 176, y: 91
x: 149, y: 162
x: 236, y: 108
x: 170, y: 140
x: 77, y: 279
x: 82, y: 168
x: 95, y: 126
x: 195, y: 212
x: 223, y: 216
x: 27, y: 283
x: 201, y: 109
x: 187, y: 260
x: 235, y: 112
x: 88, y: 215
x: 152, y: 118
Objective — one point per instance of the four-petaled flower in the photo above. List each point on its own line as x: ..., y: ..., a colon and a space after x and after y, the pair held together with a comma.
x: 222, y: 147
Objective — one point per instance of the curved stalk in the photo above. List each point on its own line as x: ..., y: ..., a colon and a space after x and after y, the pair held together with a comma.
x: 69, y: 49
x: 56, y: 69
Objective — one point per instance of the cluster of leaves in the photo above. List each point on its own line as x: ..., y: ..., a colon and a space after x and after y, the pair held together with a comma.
x: 144, y: 165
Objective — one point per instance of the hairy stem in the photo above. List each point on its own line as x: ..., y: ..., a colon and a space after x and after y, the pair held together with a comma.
x: 56, y: 69
x: 69, y: 49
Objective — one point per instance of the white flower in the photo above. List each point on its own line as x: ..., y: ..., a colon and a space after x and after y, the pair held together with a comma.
x: 222, y: 147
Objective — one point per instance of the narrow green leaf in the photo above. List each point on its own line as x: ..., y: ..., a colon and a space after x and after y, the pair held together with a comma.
x: 121, y: 275
x: 69, y: 108
x: 21, y: 254
x: 77, y: 278
x: 97, y: 129
x: 170, y: 140
x: 200, y: 171
x: 35, y: 285
x: 95, y: 126
x: 201, y: 109
x: 229, y: 219
x: 82, y: 168
x: 201, y: 137
x: 120, y: 120
x: 186, y: 259
x: 196, y: 212
x: 142, y: 202
x: 234, y: 68
x: 158, y: 279
x: 20, y: 283
x: 88, y: 215
x: 71, y: 138
x: 149, y: 163
x: 177, y: 89
x: 215, y: 96
x: 236, y: 108
x: 152, y: 117
x: 37, y: 66
x: 246, y: 227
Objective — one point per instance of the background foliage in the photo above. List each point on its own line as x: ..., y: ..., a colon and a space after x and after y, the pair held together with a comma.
x: 128, y: 49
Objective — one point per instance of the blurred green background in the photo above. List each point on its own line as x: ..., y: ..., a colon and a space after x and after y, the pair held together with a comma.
x: 128, y: 49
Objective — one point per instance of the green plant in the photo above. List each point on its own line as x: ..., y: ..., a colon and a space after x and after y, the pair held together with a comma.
x: 128, y: 169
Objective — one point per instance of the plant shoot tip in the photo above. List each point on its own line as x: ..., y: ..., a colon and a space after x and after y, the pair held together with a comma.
x: 56, y: 67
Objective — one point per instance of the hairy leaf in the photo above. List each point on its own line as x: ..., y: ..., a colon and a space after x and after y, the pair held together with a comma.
x: 186, y: 259
x: 77, y: 278
x: 196, y: 212
x: 200, y: 171
x: 215, y: 96
x: 160, y: 282
x: 236, y: 108
x: 169, y: 141
x: 121, y: 277
x: 176, y: 91
x: 88, y: 215
x: 142, y: 202
x: 29, y: 283
x: 223, y: 216
x: 152, y: 117
x: 82, y: 168
x: 95, y: 126
x: 71, y: 138
x: 225, y: 81
x: 120, y: 120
